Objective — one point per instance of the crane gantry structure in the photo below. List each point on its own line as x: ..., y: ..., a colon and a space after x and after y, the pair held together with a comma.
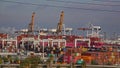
x: 30, y: 28
x: 31, y: 24
x: 60, y: 24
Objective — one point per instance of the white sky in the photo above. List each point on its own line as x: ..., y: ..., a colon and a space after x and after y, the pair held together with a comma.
x: 78, y: 13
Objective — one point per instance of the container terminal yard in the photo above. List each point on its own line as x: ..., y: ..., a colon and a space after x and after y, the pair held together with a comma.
x: 58, y: 48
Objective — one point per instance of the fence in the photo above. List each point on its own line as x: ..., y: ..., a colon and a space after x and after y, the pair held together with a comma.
x: 61, y: 66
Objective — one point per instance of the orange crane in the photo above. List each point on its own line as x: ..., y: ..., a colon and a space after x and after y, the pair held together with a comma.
x: 31, y: 25
x: 60, y: 24
x: 29, y: 32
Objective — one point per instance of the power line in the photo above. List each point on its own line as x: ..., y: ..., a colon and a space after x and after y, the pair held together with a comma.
x: 60, y: 6
x: 107, y: 1
x: 81, y: 3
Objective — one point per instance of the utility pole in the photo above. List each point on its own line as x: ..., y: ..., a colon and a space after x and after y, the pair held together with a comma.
x: 105, y: 36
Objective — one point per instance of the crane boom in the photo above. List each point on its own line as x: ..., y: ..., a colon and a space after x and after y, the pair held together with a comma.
x: 84, y: 29
x: 30, y: 28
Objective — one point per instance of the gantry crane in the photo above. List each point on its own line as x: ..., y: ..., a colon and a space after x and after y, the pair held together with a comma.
x: 31, y: 24
x: 85, y: 29
x: 60, y: 24
x: 29, y: 32
x: 95, y: 30
x: 30, y: 29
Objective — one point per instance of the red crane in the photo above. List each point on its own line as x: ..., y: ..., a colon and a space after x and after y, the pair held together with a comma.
x: 84, y: 29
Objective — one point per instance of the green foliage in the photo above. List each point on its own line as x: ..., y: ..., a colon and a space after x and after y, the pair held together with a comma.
x: 16, y: 60
x: 0, y: 60
x: 69, y: 67
x: 84, y: 65
x: 5, y: 59
x: 58, y: 66
x: 94, y: 62
x: 51, y: 58
x: 108, y: 63
x: 25, y: 63
x: 30, y: 62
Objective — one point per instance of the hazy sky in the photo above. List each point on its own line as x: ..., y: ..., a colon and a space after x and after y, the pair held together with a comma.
x: 78, y: 13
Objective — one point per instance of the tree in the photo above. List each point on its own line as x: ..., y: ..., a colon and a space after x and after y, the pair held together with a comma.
x: 30, y: 62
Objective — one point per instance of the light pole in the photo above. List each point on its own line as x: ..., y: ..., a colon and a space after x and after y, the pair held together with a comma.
x: 71, y: 63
